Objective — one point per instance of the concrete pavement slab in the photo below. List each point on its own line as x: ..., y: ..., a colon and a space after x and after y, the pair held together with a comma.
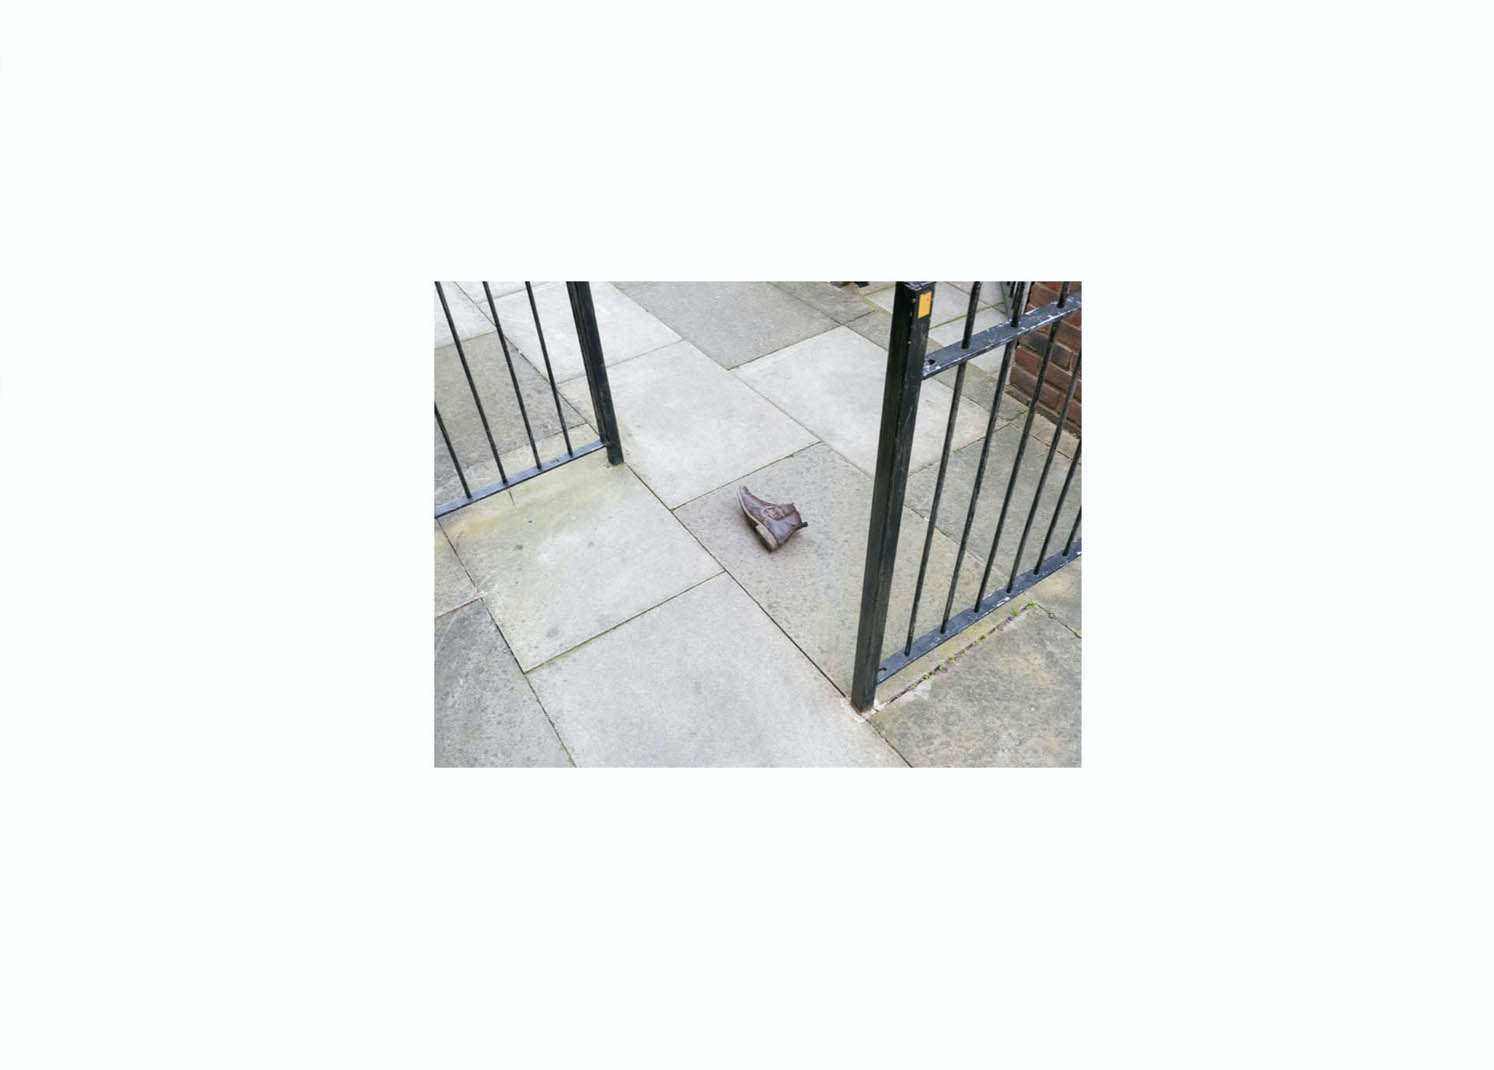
x: 577, y: 551
x: 486, y: 713
x: 453, y: 587
x: 480, y: 299
x: 832, y: 384
x: 1059, y: 594
x: 1012, y: 699
x: 626, y: 329
x: 949, y: 301
x: 688, y: 425
x: 705, y: 679
x: 730, y: 322
x: 840, y: 303
x: 955, y: 500
x: 454, y: 399
x: 812, y: 586
x: 464, y: 313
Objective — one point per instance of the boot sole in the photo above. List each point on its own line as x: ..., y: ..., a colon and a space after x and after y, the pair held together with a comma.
x: 762, y: 532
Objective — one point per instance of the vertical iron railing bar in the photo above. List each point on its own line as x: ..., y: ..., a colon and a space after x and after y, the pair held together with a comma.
x: 1011, y: 483
x: 970, y: 313
x: 928, y: 538
x: 589, y: 338
x: 1037, y: 495
x: 980, y: 475
x: 466, y: 490
x: 906, y: 345
x: 1063, y: 295
x: 549, y: 373
x: 513, y: 378
x: 470, y: 384
x: 1019, y: 301
x: 1072, y: 532
x: 1062, y: 494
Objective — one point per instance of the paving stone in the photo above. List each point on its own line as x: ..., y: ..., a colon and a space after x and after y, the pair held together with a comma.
x: 875, y: 327
x: 832, y: 384
x: 688, y: 425
x: 626, y: 329
x: 453, y: 587
x: 706, y: 679
x: 990, y: 293
x: 486, y: 713
x: 1059, y: 593
x: 949, y: 301
x: 469, y: 321
x: 840, y: 303
x: 961, y: 478
x: 480, y: 299
x: 730, y: 322
x: 953, y: 332
x: 454, y: 399
x: 1012, y: 699
x: 812, y: 586
x: 566, y: 556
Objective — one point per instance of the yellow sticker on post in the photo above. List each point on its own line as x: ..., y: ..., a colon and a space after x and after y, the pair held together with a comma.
x: 925, y: 299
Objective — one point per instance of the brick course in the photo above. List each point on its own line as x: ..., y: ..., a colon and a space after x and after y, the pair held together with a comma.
x: 1066, y: 346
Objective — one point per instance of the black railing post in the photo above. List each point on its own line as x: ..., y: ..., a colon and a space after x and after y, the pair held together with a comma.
x: 905, y: 352
x: 596, y: 369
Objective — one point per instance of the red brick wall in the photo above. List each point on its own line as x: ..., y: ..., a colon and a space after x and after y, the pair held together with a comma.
x: 1029, y: 357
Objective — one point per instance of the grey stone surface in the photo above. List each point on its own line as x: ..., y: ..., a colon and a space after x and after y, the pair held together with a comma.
x: 568, y: 555
x: 626, y: 329
x: 486, y: 713
x: 480, y: 299
x: 840, y: 303
x: 875, y: 327
x: 949, y: 301
x: 730, y: 322
x: 453, y: 587
x: 955, y: 500
x: 464, y: 313
x: 953, y: 332
x: 812, y: 586
x: 832, y: 384
x: 1059, y: 593
x: 688, y: 425
x: 1012, y: 699
x: 706, y: 679
x: 454, y: 399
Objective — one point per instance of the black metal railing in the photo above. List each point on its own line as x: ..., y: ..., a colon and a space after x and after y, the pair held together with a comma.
x: 589, y: 339
x: 908, y: 364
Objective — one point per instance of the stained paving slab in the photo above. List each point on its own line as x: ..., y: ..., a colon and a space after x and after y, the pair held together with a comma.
x: 706, y: 679
x: 626, y: 330
x: 730, y: 322
x: 1011, y: 699
x: 577, y: 551
x: 832, y: 384
x: 486, y: 713
x: 688, y: 425
x: 812, y: 585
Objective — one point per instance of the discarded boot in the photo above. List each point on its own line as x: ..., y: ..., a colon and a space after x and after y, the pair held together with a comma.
x: 774, y: 523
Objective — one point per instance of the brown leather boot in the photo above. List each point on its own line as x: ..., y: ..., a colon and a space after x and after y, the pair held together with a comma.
x: 774, y: 523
